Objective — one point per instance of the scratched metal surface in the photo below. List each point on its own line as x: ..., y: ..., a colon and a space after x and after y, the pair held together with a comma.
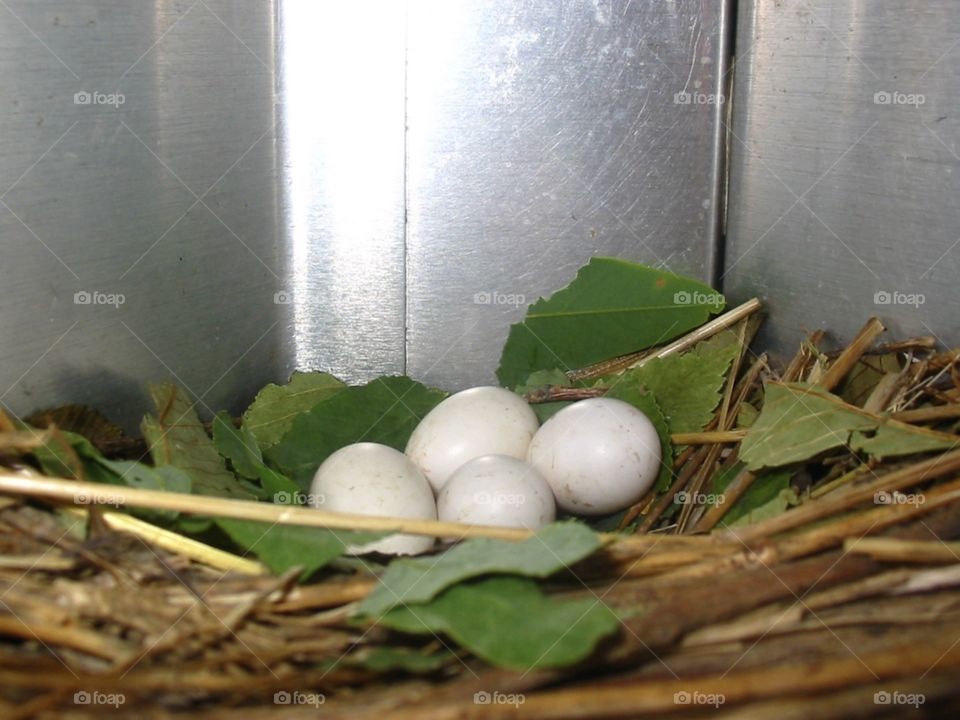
x: 341, y: 67
x: 844, y: 188
x: 248, y: 197
x: 541, y: 133
x: 168, y: 198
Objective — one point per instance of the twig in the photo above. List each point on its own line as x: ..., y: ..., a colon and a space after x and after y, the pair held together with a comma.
x: 708, y: 437
x: 824, y: 507
x: 726, y: 416
x: 69, y: 490
x: 23, y: 440
x: 175, y: 543
x: 851, y: 355
x: 46, y: 561
x: 734, y: 491
x: 709, y: 329
x: 667, y: 499
x: 895, y: 550
x: 558, y: 393
x: 928, y: 414
x: 798, y: 364
x: 844, y: 479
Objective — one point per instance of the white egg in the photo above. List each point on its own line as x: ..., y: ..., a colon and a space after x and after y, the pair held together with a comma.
x: 474, y: 422
x: 599, y: 455
x: 373, y: 479
x: 497, y: 490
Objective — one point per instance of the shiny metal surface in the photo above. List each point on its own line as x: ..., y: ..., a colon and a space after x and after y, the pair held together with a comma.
x: 366, y: 188
x: 541, y: 133
x: 167, y: 198
x: 845, y: 166
x: 342, y: 109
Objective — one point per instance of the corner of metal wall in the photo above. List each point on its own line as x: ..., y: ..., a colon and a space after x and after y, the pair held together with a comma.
x: 716, y: 247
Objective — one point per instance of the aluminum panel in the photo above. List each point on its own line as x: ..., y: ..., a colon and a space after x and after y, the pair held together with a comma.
x: 138, y: 161
x: 342, y: 108
x: 541, y: 133
x: 845, y: 167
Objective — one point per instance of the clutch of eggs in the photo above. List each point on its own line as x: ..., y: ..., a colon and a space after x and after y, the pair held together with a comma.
x: 480, y: 457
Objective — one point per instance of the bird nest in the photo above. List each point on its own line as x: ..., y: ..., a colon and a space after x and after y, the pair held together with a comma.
x: 842, y: 603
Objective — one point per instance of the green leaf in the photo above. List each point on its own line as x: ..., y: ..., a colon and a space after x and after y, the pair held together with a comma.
x: 746, y: 416
x: 892, y: 441
x: 417, y: 580
x: 613, y: 307
x: 385, y: 411
x: 133, y: 474
x: 508, y: 622
x: 385, y: 658
x: 798, y: 423
x: 611, y: 523
x: 74, y: 452
x: 63, y: 455
x: 539, y: 379
x: 632, y: 392
x: 239, y: 447
x: 281, y: 547
x: 687, y: 387
x: 177, y: 437
x: 769, y: 495
x: 275, y: 408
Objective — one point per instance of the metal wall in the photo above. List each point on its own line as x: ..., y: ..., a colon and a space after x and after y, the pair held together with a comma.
x: 541, y: 133
x: 845, y: 166
x: 367, y: 188
x: 137, y: 164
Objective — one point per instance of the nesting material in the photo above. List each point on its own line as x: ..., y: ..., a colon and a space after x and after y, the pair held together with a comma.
x: 838, y: 595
